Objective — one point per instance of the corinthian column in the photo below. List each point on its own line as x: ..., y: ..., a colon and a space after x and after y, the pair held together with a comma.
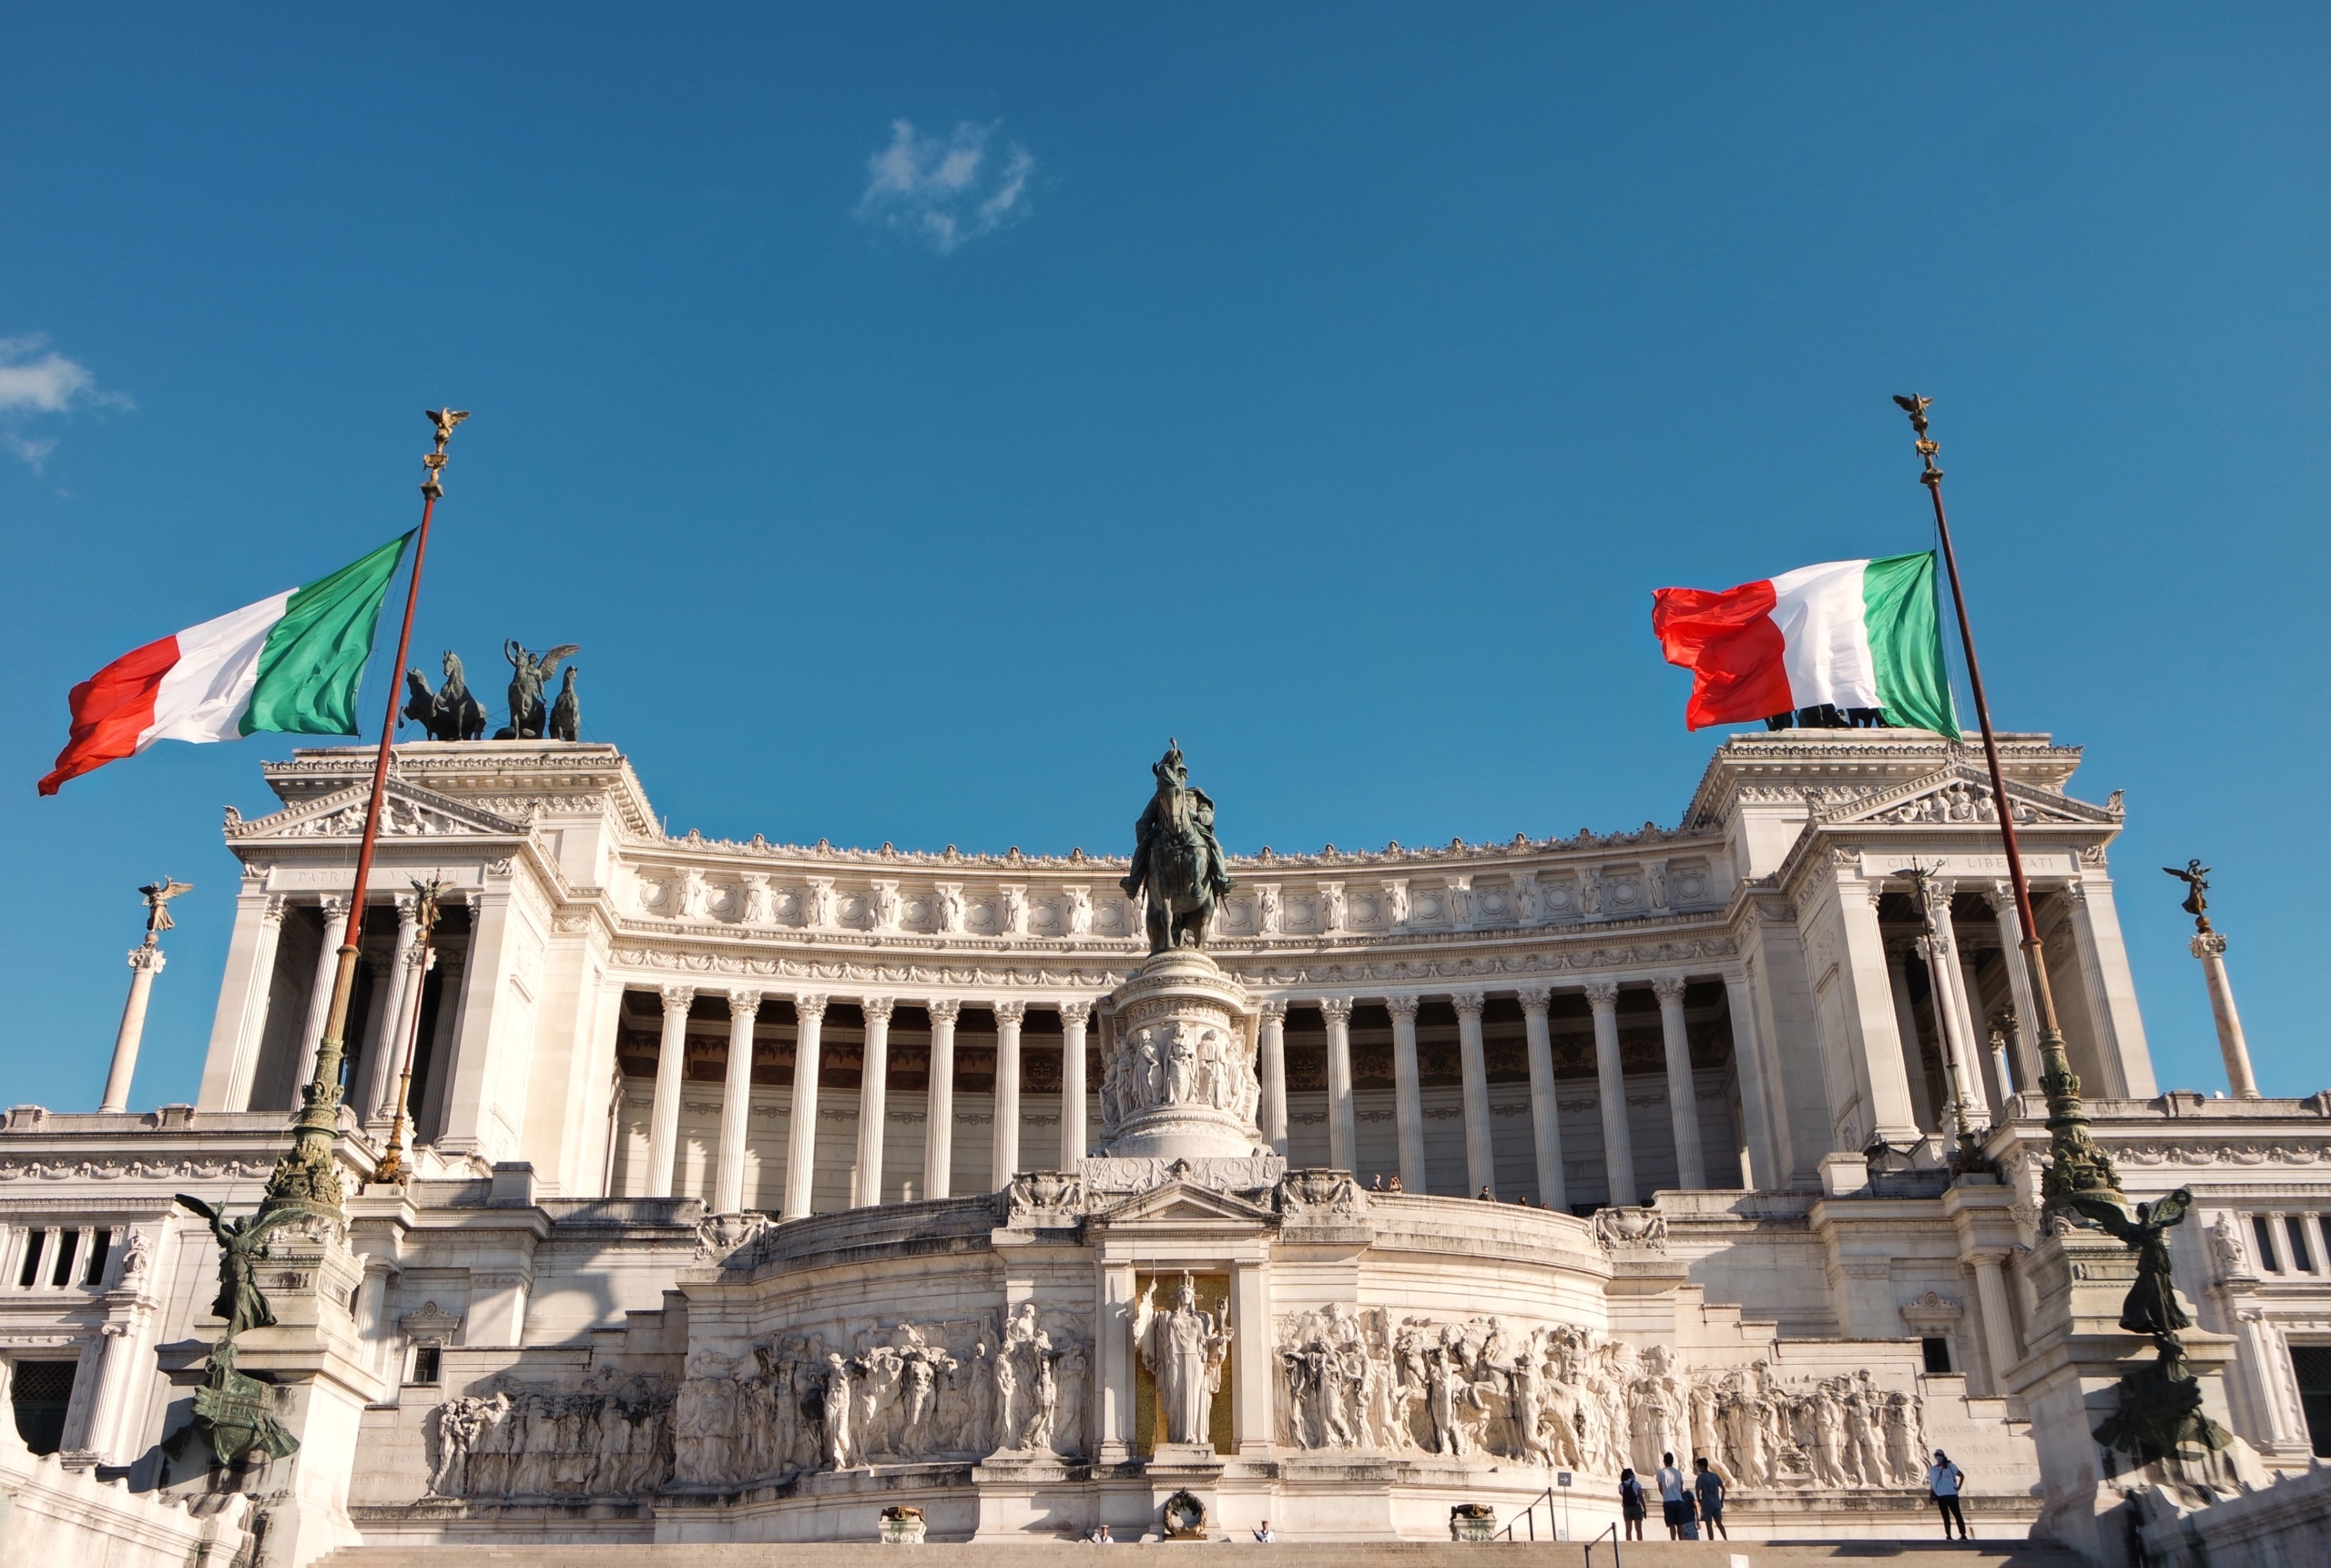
x: 1408, y: 1094
x: 1545, y: 1125
x: 1480, y: 1156
x: 2001, y: 896
x: 939, y: 1116
x: 311, y: 1029
x: 1004, y: 1164
x: 1342, y: 1130
x: 383, y: 1050
x: 1073, y: 1017
x: 1270, y: 1046
x: 1683, y: 1096
x: 664, y: 1116
x: 1618, y: 1145
x: 802, y: 1126
x: 144, y: 964
x: 736, y: 1103
x: 873, y: 1103
x: 2209, y: 946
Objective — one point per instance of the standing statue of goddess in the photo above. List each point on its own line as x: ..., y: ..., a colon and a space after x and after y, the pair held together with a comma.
x: 1183, y: 1349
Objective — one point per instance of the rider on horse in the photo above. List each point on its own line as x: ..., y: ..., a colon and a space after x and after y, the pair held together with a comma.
x: 1175, y: 857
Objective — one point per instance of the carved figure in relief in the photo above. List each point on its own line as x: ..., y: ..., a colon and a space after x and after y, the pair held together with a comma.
x: 835, y: 1412
x: 136, y: 1257
x: 1178, y: 864
x: 1184, y: 1348
x: 2226, y: 1250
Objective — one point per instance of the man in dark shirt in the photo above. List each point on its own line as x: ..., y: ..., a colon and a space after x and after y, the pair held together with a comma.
x: 1710, y: 1486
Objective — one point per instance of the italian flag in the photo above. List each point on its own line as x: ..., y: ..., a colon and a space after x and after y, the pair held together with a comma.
x: 1857, y: 634
x: 287, y: 662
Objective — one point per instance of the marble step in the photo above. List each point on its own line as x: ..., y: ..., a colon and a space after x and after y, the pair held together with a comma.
x: 1381, y: 1554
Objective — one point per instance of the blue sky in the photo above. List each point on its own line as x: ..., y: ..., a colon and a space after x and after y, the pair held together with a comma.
x: 917, y: 413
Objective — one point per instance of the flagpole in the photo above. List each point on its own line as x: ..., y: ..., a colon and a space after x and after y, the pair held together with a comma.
x: 306, y: 1177
x: 2079, y: 1165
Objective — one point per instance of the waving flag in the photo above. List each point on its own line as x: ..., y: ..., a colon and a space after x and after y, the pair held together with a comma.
x: 1857, y: 634
x: 289, y: 662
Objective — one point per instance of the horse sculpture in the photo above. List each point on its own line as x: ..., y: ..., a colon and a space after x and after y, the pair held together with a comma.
x: 449, y: 713
x: 1176, y: 863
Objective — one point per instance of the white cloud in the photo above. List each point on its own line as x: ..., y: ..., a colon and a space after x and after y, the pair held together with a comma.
x: 947, y: 192
x: 47, y: 384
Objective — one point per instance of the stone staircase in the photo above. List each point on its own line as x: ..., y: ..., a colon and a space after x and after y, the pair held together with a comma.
x: 1384, y: 1554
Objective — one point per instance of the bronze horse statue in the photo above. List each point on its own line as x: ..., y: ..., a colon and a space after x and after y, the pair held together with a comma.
x: 1176, y: 861
x: 449, y: 713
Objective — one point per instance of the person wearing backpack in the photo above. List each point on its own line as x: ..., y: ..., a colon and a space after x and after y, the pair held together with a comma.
x: 1944, y: 1480
x: 1630, y: 1505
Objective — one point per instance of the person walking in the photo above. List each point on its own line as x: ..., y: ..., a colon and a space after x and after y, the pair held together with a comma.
x: 1670, y: 1481
x: 1944, y: 1480
x: 1710, y: 1487
x: 1631, y: 1503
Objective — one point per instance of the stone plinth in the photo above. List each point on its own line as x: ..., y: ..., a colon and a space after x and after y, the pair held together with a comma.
x: 1178, y: 1078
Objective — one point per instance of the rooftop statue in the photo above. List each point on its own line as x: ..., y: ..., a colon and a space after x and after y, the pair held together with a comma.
x: 529, y: 674
x: 158, y: 894
x: 449, y: 713
x: 2196, y: 877
x: 1175, y: 860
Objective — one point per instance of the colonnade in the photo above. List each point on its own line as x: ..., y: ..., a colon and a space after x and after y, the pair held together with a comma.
x: 1005, y: 1158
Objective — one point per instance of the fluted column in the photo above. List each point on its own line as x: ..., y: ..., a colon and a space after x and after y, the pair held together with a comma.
x: 1764, y: 1168
x: 736, y: 1102
x: 1950, y: 1018
x: 144, y: 964
x: 1270, y: 1047
x: 1480, y: 1154
x: 1005, y: 1162
x: 1683, y: 1090
x: 2209, y: 946
x: 2001, y: 896
x: 1408, y: 1093
x: 671, y: 1066
x: 802, y: 1126
x: 311, y: 1029
x: 1073, y: 1017
x: 411, y: 977
x: 873, y: 1103
x: 1961, y: 998
x: 939, y: 1118
x: 1341, y: 1128
x: 1545, y: 1125
x: 1618, y: 1145
x: 384, y: 1041
x: 1906, y: 1019
x: 1999, y: 1324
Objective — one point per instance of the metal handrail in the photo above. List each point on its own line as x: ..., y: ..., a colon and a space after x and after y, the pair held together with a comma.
x: 1613, y: 1532
x: 1529, y: 1516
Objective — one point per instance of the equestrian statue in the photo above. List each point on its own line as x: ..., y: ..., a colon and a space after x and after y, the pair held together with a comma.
x: 1176, y: 861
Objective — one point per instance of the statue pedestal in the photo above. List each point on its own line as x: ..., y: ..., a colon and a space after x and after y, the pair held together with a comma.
x: 2069, y: 1384
x: 1178, y: 1079
x: 312, y: 1357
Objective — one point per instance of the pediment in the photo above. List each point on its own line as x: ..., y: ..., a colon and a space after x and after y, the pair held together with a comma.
x: 410, y: 811
x: 1181, y: 1204
x: 1960, y: 795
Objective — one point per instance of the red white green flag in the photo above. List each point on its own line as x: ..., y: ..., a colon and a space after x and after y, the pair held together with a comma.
x: 289, y: 662
x: 1857, y: 633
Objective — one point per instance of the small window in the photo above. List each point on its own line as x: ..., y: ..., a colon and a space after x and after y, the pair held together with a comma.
x: 1938, y: 1352
x: 426, y: 1359
x: 2302, y: 1256
x: 2311, y: 1364
x: 41, y: 1390
x: 100, y: 1252
x: 2265, y: 1235
x: 30, y: 1272
x: 68, y: 1242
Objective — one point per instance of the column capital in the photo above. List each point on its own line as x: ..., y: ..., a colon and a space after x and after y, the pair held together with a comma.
x: 1336, y: 1009
x: 1996, y: 891
x: 1536, y: 998
x: 151, y: 961
x: 1274, y: 1009
x: 419, y: 957
x: 1077, y: 1013
x: 2205, y: 944
x: 408, y: 907
x: 1012, y: 1013
x: 1985, y: 1257
x: 676, y: 998
x: 878, y: 1009
x: 1468, y: 1003
x: 1602, y: 994
x: 744, y: 1003
x: 271, y: 912
x: 945, y: 1011
x: 810, y: 1009
x: 334, y: 905
x: 1669, y: 988
x: 1403, y: 1006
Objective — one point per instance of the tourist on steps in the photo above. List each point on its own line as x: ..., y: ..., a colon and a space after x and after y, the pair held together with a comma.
x: 1671, y: 1503
x: 1631, y: 1507
x: 1943, y: 1480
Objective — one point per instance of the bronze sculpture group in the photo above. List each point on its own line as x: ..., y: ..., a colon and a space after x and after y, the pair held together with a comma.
x: 1178, y: 866
x: 451, y: 712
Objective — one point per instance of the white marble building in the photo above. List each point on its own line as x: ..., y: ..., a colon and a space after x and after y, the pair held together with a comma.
x: 753, y: 1189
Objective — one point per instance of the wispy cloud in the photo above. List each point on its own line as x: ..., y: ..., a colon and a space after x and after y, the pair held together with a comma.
x: 32, y: 383
x: 947, y: 192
